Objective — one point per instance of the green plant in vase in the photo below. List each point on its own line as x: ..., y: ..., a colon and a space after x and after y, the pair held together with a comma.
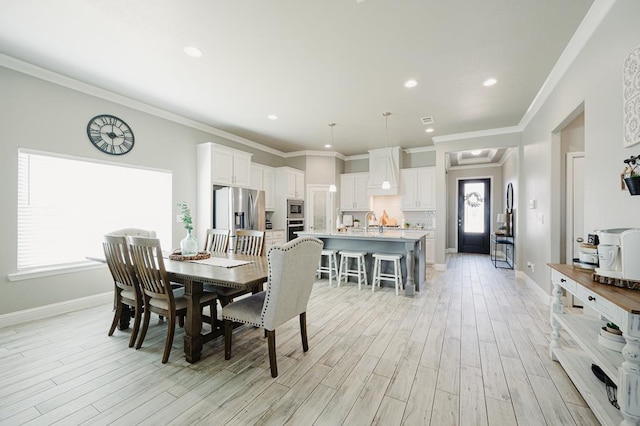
x: 189, y: 244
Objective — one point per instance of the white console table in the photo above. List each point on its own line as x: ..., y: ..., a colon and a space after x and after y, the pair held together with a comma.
x: 618, y: 305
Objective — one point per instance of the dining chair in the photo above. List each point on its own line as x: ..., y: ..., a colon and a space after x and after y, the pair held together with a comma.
x: 249, y: 242
x: 292, y: 269
x: 159, y: 296
x: 217, y: 241
x: 126, y: 287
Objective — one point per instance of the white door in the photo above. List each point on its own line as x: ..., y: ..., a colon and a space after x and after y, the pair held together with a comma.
x: 575, y: 205
x: 319, y: 207
x: 575, y: 210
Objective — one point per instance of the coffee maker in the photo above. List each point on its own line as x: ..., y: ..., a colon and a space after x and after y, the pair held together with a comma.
x: 618, y: 251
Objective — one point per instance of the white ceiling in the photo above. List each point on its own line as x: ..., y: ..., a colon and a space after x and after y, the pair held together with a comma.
x: 309, y: 62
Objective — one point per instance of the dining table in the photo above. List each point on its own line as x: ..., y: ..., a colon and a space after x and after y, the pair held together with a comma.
x: 233, y: 270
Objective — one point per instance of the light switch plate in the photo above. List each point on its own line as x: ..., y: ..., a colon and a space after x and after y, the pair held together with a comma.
x: 532, y: 204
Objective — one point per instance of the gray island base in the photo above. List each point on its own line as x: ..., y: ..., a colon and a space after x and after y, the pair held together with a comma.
x: 410, y: 244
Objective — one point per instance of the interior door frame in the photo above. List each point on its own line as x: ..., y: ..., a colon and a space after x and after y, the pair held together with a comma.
x: 308, y: 214
x: 491, y: 179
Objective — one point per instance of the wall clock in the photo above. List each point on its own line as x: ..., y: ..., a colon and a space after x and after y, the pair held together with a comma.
x: 110, y: 134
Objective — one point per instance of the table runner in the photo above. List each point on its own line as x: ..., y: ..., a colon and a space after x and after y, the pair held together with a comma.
x: 222, y: 262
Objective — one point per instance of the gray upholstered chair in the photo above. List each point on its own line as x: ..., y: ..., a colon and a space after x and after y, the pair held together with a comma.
x: 159, y: 297
x: 127, y: 290
x: 292, y: 269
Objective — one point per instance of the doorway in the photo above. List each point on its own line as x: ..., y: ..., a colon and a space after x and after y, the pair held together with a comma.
x: 474, y: 213
x: 319, y: 208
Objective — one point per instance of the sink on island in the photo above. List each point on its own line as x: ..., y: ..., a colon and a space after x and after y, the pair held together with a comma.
x: 410, y: 243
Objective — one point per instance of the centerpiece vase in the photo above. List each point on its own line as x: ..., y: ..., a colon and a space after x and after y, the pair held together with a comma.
x: 189, y: 244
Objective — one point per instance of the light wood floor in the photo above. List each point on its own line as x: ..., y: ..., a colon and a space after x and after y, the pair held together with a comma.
x: 470, y: 349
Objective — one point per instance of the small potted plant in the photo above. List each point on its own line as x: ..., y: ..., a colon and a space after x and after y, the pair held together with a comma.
x: 631, y: 176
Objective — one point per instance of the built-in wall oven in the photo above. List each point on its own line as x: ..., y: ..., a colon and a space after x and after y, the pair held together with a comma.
x: 293, y: 226
x: 295, y: 218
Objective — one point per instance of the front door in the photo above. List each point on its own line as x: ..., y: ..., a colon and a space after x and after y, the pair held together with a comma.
x: 474, y: 211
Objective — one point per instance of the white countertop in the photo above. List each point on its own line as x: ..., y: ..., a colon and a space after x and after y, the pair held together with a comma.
x: 373, y: 234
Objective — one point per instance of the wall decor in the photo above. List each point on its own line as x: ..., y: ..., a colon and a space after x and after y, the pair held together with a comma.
x: 110, y: 134
x: 631, y: 98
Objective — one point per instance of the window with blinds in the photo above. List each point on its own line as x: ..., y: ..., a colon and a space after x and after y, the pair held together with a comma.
x: 66, y: 204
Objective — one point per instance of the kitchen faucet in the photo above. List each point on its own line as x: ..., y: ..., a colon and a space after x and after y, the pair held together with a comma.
x: 366, y: 219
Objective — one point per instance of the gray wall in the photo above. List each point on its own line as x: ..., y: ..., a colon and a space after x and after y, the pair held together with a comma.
x: 41, y: 115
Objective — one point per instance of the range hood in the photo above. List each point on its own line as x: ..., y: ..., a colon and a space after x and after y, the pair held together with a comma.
x: 384, y: 164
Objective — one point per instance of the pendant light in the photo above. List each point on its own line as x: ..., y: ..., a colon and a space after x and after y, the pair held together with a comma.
x: 385, y: 182
x: 332, y: 187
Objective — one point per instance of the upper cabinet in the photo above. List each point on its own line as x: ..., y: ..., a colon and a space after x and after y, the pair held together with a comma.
x: 418, y: 188
x: 353, y: 192
x: 384, y: 164
x: 292, y: 180
x: 263, y: 177
x: 226, y: 166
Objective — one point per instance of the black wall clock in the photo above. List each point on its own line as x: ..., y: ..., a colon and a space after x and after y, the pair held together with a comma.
x: 110, y: 134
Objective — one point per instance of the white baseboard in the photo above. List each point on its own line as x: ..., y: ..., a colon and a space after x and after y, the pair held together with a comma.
x: 47, y: 311
x: 544, y: 297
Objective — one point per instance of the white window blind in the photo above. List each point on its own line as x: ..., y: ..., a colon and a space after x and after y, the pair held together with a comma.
x: 66, y: 205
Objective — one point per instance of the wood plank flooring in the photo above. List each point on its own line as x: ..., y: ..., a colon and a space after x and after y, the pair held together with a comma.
x: 470, y: 349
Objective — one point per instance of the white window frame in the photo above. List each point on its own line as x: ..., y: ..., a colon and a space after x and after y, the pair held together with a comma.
x: 104, y: 207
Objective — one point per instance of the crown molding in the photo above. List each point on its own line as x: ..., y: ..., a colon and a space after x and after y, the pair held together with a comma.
x: 419, y: 149
x: 89, y: 89
x: 314, y: 153
x: 476, y: 134
x: 594, y: 17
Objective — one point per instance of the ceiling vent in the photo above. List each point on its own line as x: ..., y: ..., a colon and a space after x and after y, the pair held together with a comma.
x: 427, y: 120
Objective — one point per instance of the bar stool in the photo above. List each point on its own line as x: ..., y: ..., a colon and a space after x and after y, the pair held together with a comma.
x: 378, y: 275
x: 360, y: 272
x: 332, y: 265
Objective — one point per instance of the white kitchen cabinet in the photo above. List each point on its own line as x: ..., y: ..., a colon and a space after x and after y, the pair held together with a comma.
x: 430, y: 249
x: 273, y: 237
x: 227, y: 166
x: 418, y: 188
x: 353, y: 192
x: 263, y: 177
x: 292, y: 180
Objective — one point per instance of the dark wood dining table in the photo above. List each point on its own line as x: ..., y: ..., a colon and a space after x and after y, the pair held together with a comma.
x: 193, y: 275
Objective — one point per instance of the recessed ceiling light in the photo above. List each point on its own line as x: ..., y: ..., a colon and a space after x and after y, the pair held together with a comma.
x: 476, y: 152
x: 327, y: 145
x: 489, y: 82
x: 272, y: 117
x: 410, y: 83
x: 193, y: 51
x: 429, y: 130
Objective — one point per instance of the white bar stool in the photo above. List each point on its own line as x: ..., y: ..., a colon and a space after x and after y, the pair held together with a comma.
x: 332, y: 265
x: 360, y: 272
x: 378, y: 275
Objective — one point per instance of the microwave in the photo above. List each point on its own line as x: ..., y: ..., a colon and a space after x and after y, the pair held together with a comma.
x: 295, y: 209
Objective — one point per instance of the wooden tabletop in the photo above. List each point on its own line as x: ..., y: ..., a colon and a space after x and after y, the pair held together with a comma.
x: 236, y: 277
x: 625, y: 298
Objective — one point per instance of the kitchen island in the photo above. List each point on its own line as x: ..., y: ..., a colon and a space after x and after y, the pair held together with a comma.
x: 410, y: 244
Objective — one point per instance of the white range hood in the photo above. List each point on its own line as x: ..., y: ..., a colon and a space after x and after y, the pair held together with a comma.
x: 384, y: 164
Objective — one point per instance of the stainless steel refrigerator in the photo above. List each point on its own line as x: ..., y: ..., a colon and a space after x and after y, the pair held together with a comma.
x: 238, y: 208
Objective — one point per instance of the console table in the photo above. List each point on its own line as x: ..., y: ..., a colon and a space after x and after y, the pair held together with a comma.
x: 508, y: 243
x: 618, y: 305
